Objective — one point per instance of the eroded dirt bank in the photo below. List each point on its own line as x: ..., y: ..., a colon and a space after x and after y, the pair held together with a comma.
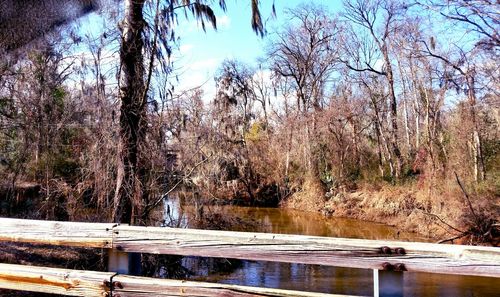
x: 432, y: 213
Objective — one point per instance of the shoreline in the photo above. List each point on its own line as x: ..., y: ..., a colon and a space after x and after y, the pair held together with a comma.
x: 433, y: 215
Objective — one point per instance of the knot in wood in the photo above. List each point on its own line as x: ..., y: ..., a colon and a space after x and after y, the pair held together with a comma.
x: 400, y: 251
x: 386, y: 250
x: 118, y: 285
x: 106, y: 283
x: 399, y: 267
x: 387, y: 266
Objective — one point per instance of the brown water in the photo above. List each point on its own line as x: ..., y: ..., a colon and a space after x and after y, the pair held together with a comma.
x: 337, y: 280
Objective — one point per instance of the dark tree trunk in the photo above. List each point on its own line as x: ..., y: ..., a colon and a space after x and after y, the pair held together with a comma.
x: 129, y: 195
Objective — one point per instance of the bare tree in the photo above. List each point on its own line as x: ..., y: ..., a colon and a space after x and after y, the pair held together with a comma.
x: 466, y: 71
x: 479, y: 16
x: 304, y: 54
x: 367, y: 14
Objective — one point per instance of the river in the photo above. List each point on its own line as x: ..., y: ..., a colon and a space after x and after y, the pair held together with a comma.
x: 325, y: 279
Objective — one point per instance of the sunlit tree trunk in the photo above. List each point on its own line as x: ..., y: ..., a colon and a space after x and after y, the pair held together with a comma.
x: 406, y: 119
x: 479, y: 169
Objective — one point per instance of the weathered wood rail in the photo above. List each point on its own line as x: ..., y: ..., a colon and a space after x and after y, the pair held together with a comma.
x: 388, y: 258
x: 101, y: 284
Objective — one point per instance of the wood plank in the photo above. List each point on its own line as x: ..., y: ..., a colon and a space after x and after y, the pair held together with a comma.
x: 54, y: 280
x: 93, y: 284
x: 355, y: 253
x: 97, y: 235
x: 132, y: 286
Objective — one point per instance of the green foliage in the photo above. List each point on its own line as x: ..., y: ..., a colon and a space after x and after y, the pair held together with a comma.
x: 58, y: 95
x: 60, y: 160
x: 491, y: 150
x: 56, y: 165
x: 55, y: 105
x: 328, y: 179
x: 70, y: 135
x: 6, y: 105
x: 491, y: 154
x: 255, y: 132
x: 352, y: 174
x: 66, y: 168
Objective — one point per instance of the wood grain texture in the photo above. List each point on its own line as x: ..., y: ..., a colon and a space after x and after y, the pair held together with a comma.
x: 56, y: 233
x: 92, y: 284
x: 54, y: 280
x: 150, y: 287
x: 342, y: 252
x: 355, y: 253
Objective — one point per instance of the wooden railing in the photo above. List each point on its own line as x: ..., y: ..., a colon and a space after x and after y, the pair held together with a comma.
x: 388, y: 259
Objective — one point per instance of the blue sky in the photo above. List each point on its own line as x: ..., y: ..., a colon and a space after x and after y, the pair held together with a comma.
x: 201, y: 53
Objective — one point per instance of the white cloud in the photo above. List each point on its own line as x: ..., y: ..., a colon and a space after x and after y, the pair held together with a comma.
x: 263, y: 75
x: 185, y: 48
x: 208, y: 65
x: 195, y: 79
x: 194, y: 25
x: 379, y: 65
x: 223, y: 21
x: 199, y: 73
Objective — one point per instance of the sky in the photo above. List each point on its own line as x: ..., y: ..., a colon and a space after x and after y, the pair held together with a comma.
x: 201, y: 53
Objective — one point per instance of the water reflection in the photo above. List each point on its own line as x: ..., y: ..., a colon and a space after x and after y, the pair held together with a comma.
x: 300, y: 277
x: 322, y: 278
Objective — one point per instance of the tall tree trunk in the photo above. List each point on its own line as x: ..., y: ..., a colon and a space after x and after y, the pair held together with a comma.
x: 406, y: 118
x: 394, y: 114
x: 416, y: 108
x: 129, y: 195
x: 429, y: 128
x: 381, y: 136
x: 479, y: 168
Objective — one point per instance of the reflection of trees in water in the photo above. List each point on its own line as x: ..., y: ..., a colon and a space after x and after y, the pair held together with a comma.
x: 201, y: 267
x: 177, y: 213
x: 164, y: 266
x: 181, y: 267
x: 296, y: 222
x: 284, y: 275
x: 299, y: 276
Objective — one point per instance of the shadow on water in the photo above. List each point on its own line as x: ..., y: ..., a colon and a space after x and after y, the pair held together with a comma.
x: 318, y: 278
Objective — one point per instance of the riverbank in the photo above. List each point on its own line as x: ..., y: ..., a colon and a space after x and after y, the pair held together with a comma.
x: 432, y: 212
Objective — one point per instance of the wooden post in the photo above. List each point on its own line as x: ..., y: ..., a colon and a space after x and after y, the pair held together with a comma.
x: 387, y: 283
x: 124, y: 263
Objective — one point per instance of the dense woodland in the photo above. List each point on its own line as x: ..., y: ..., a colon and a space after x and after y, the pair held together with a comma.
x: 395, y: 100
